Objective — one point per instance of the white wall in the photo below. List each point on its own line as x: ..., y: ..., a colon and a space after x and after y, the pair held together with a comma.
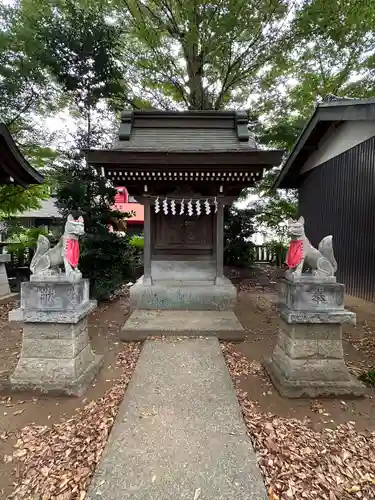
x: 345, y: 137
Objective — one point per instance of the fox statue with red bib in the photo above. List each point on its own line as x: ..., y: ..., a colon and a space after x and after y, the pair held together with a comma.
x: 321, y: 260
x: 47, y: 261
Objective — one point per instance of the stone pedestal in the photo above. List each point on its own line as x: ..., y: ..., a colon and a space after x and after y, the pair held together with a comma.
x: 56, y: 353
x: 4, y: 284
x: 308, y: 360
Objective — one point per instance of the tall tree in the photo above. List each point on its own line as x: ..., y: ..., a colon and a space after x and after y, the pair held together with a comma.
x: 25, y: 94
x: 334, y: 55
x: 203, y: 55
x: 77, y: 44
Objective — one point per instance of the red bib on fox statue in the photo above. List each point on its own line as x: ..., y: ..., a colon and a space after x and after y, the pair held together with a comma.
x: 295, y: 253
x: 72, y: 252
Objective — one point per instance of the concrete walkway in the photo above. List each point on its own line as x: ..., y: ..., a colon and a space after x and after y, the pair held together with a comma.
x: 179, y: 434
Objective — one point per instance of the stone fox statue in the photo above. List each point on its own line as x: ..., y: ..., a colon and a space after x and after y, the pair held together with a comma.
x: 321, y: 261
x: 47, y: 260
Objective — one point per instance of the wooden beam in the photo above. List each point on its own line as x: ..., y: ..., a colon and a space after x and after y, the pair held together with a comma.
x: 147, y: 277
x: 220, y: 243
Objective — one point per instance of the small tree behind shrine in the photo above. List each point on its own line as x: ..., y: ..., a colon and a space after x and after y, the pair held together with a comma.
x: 106, y: 256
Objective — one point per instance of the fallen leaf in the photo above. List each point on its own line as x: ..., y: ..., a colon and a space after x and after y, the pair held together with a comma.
x: 354, y: 489
x: 197, y: 494
x: 59, y: 460
x: 18, y: 412
x: 299, y: 462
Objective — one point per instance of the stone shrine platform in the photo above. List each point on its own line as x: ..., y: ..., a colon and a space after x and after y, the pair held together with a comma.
x: 144, y: 323
x: 179, y: 433
x: 184, y: 285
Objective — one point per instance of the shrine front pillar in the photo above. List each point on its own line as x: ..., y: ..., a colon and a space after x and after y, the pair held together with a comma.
x: 219, y: 254
x: 147, y: 278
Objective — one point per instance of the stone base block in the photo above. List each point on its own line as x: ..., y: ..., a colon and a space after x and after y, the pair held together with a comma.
x: 293, y: 388
x: 312, y: 296
x: 22, y: 379
x: 341, y: 317
x: 308, y: 360
x: 192, y: 295
x: 221, y: 324
x: 56, y: 357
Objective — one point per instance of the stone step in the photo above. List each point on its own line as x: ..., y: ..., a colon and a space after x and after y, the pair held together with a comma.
x: 146, y: 323
x: 179, y: 433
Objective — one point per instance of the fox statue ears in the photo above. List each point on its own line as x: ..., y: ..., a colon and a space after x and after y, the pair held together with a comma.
x: 72, y: 219
x: 291, y: 221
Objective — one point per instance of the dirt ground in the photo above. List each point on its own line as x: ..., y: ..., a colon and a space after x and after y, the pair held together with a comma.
x: 257, y: 313
x: 19, y: 410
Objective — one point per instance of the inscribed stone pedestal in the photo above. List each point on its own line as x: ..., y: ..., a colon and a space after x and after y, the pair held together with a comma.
x: 56, y: 353
x: 308, y: 359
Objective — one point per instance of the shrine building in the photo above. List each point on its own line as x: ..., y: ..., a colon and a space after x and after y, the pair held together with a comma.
x: 184, y: 167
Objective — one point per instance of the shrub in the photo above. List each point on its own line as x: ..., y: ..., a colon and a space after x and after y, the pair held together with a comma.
x: 238, y: 227
x: 137, y: 242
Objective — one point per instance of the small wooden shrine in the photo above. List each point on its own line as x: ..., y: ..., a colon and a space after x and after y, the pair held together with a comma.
x: 14, y: 168
x: 184, y: 167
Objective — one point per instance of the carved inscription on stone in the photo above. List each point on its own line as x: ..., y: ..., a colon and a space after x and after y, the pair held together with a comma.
x: 319, y: 297
x: 47, y: 296
x: 75, y: 295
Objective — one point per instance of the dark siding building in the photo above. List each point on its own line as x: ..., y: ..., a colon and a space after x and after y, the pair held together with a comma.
x: 333, y: 167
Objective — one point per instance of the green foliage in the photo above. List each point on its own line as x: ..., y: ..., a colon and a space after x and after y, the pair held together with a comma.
x: 106, y: 257
x: 21, y: 238
x: 16, y: 199
x: 78, y: 46
x: 25, y: 94
x: 238, y: 227
x: 200, y: 55
x: 333, y: 54
x: 137, y: 241
x: 22, y: 82
x: 368, y: 378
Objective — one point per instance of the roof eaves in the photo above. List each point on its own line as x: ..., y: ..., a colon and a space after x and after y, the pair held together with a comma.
x: 29, y: 170
x: 335, y: 110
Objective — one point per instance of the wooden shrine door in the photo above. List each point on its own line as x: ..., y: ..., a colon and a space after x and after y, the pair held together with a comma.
x: 183, y: 234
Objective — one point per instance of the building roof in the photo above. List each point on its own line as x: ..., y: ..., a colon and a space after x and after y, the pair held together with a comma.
x: 14, y: 168
x: 327, y: 115
x: 187, y: 138
x: 48, y: 210
x: 184, y: 131
x: 208, y: 149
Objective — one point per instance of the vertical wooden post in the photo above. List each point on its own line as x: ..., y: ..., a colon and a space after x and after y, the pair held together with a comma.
x: 219, y: 243
x: 147, y: 278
